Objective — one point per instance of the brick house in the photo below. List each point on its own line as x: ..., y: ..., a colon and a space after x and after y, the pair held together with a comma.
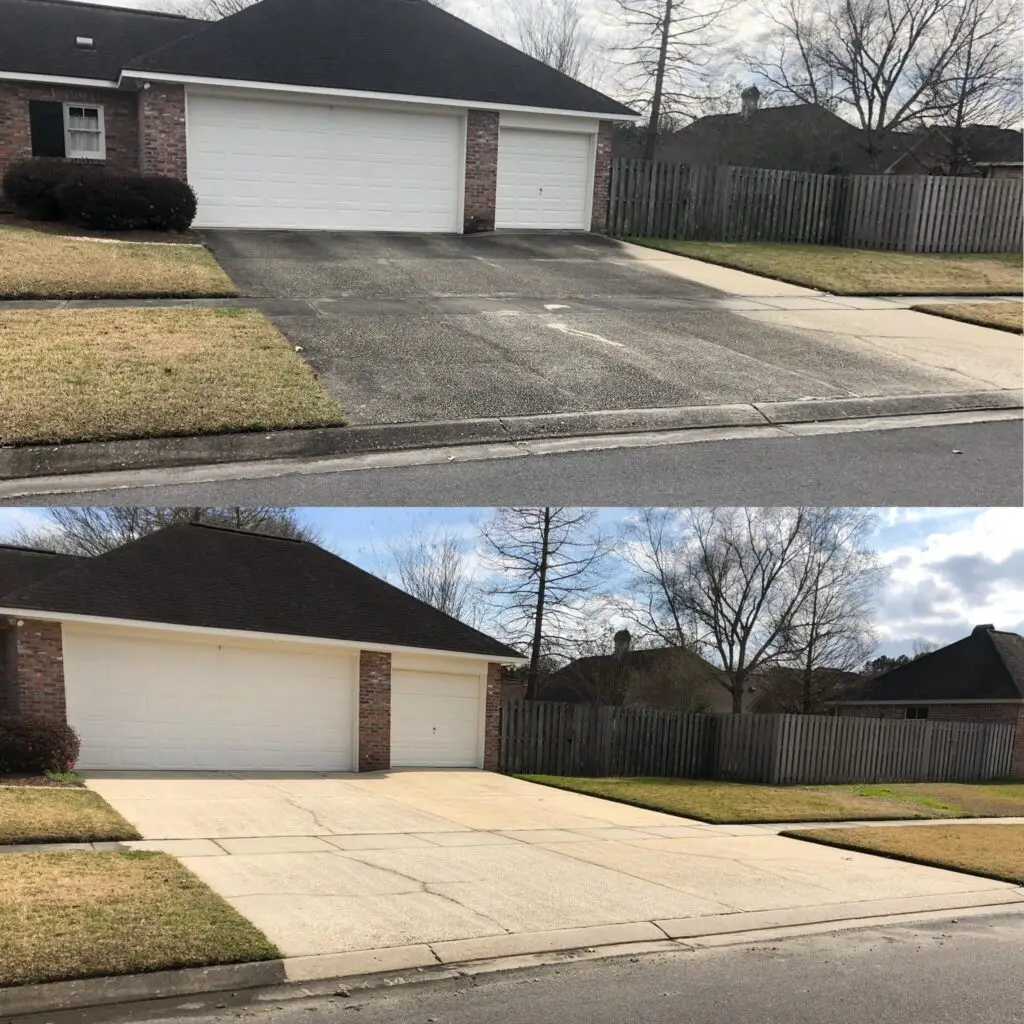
x: 977, y: 679
x: 377, y: 115
x: 201, y: 648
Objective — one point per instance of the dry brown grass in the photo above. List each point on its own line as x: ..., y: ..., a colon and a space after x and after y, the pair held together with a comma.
x: 40, y: 264
x: 1006, y: 316
x: 993, y: 851
x: 55, y: 815
x: 860, y: 271
x: 100, y: 374
x: 79, y: 915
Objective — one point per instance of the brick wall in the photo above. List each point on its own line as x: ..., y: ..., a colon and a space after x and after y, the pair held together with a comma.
x: 374, y: 711
x: 602, y: 177
x: 481, y: 170
x: 120, y: 119
x: 492, y: 718
x: 35, y: 668
x: 162, y: 130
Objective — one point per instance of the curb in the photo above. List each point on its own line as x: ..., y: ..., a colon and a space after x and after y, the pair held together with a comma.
x: 366, y: 970
x: 324, y: 442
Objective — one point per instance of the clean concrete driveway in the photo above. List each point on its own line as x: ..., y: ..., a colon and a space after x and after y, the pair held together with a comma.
x: 475, y: 863
x: 407, y: 328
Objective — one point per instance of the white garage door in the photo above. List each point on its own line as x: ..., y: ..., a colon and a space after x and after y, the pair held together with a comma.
x: 435, y: 720
x: 543, y: 179
x: 266, y: 164
x: 167, y: 704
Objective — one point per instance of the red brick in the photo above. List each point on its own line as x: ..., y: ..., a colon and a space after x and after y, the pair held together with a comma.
x: 161, y: 130
x: 34, y: 671
x: 481, y: 170
x: 374, y: 711
x: 602, y: 177
x: 492, y: 718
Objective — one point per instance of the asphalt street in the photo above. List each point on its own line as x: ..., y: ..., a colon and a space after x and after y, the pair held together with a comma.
x: 949, y: 972
x: 964, y: 464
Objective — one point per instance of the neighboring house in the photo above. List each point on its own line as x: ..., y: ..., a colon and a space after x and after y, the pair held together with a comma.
x: 782, y: 690
x: 377, y: 115
x: 203, y: 648
x: 977, y: 150
x: 977, y: 679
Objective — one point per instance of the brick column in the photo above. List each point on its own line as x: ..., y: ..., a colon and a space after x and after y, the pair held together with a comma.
x: 492, y: 718
x: 35, y: 668
x: 162, y: 130
x: 481, y: 170
x: 374, y: 711
x: 1017, y: 758
x: 602, y: 177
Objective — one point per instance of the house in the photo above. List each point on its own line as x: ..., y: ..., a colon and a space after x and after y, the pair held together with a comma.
x: 375, y: 115
x: 784, y: 690
x: 979, y: 150
x: 977, y: 679
x: 205, y: 648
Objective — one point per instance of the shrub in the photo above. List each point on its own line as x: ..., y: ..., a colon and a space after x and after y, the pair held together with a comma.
x: 121, y: 202
x: 34, y: 744
x: 172, y: 203
x: 30, y: 186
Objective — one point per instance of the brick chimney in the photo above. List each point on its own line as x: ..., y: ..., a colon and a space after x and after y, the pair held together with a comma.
x: 622, y: 640
x: 986, y: 628
x: 749, y: 99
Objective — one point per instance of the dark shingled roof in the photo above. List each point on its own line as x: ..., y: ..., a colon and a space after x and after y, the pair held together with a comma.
x: 390, y: 46
x: 207, y: 576
x: 21, y: 567
x: 987, y: 665
x: 38, y: 37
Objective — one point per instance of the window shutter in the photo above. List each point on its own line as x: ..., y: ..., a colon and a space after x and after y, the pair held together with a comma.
x: 46, y: 124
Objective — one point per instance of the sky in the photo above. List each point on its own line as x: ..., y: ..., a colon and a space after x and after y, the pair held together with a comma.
x: 949, y: 569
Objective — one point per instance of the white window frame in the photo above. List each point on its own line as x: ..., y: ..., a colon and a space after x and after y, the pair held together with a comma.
x: 69, y: 152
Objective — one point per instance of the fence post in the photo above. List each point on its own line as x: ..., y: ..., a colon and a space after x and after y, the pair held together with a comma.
x: 913, y: 221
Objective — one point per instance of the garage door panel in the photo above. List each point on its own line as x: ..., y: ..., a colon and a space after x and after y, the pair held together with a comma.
x: 153, y: 703
x: 307, y: 165
x: 435, y: 720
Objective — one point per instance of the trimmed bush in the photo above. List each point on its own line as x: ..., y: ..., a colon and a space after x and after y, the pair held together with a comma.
x: 122, y: 202
x: 33, y: 744
x: 30, y: 186
x: 172, y: 203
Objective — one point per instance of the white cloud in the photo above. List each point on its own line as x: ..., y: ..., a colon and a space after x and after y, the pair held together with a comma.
x: 12, y: 519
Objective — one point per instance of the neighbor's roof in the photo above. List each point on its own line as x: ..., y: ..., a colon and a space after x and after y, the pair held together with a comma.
x: 21, y: 567
x: 406, y: 47
x: 212, y: 577
x: 987, y: 665
x: 38, y: 37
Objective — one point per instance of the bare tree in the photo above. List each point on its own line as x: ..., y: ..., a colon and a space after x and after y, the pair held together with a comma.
x: 667, y: 52
x: 552, y: 31
x: 545, y: 563
x: 94, y: 529
x: 431, y: 565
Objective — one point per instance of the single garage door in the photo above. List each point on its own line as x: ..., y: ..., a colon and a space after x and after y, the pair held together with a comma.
x: 145, y: 702
x: 543, y: 179
x: 267, y: 164
x: 435, y: 720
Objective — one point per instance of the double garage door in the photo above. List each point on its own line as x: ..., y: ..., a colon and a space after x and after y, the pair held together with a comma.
x: 142, y: 701
x: 257, y: 163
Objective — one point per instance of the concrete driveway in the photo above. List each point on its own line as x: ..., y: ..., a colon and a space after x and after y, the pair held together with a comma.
x: 408, y: 328
x: 455, y: 865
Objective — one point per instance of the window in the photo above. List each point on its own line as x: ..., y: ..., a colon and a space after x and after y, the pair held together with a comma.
x: 917, y: 713
x: 83, y: 132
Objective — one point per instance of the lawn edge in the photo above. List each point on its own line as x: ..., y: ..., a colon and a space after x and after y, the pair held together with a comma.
x: 153, y: 294
x: 802, y: 834
x: 964, y: 319
x: 720, y: 821
x: 785, y: 279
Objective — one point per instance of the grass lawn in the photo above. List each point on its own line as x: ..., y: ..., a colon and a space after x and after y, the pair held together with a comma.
x: 101, y: 374
x: 737, y: 802
x: 44, y: 265
x: 55, y: 815
x: 1007, y: 316
x: 860, y: 271
x: 993, y: 851
x: 78, y: 915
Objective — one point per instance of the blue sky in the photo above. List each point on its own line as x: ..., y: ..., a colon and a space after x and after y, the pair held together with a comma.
x: 950, y: 569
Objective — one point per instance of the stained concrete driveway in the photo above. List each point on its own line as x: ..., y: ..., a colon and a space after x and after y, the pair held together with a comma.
x: 477, y: 864
x: 408, y: 328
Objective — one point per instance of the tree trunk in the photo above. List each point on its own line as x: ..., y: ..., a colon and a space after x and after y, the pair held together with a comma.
x: 653, y: 125
x: 737, y: 697
x: 533, y: 676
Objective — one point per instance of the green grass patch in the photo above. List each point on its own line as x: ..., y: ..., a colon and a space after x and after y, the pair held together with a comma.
x: 81, y: 915
x: 56, y: 814
x: 859, y: 271
x: 1004, y: 316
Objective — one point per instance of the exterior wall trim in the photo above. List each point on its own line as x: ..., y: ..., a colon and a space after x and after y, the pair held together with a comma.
x: 93, y: 83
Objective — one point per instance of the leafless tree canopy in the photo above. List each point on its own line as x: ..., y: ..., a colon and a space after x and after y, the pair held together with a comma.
x: 214, y: 10
x: 94, y: 529
x: 552, y: 31
x: 431, y: 565
x: 545, y: 563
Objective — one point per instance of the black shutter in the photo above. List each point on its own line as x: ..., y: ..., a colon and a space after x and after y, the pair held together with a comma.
x: 46, y: 124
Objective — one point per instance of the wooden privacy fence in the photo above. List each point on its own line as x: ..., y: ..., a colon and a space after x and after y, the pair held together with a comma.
x: 918, y: 213
x: 550, y: 738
